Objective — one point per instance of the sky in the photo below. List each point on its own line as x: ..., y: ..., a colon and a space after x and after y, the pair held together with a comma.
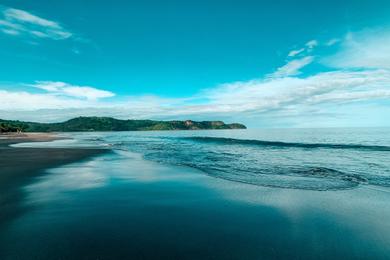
x: 267, y: 64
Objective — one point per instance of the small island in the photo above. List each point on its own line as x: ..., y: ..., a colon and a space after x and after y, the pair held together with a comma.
x: 90, y: 124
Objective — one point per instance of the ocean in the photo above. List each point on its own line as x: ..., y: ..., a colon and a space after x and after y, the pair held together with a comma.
x: 313, y: 159
x: 218, y: 194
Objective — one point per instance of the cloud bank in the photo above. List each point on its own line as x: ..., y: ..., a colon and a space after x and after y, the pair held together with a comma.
x: 285, y: 95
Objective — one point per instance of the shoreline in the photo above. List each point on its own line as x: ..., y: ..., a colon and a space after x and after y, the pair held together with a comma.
x: 13, y: 138
x: 18, y: 161
x: 20, y: 165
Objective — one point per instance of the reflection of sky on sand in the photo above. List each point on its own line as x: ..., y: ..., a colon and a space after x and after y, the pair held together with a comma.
x: 117, y: 180
x: 58, y: 181
x: 122, y: 166
x: 361, y: 209
x: 110, y: 169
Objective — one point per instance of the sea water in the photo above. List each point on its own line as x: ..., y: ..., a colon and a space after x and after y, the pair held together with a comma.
x: 314, y: 159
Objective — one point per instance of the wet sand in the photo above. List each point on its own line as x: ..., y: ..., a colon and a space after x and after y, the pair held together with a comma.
x: 19, y: 165
x: 12, y: 138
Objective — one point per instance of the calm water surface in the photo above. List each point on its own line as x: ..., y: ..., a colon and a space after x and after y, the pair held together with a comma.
x: 242, y: 194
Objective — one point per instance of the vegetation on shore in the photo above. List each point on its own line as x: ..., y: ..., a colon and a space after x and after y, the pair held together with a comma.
x: 81, y: 124
x: 6, y: 127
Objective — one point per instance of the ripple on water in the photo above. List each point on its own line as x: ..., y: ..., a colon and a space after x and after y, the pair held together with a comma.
x: 316, y: 166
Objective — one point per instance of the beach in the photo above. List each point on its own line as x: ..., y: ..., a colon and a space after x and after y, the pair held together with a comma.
x: 118, y: 205
x: 194, y: 130
x: 20, y: 165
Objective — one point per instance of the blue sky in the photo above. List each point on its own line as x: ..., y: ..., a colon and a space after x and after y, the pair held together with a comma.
x: 263, y: 63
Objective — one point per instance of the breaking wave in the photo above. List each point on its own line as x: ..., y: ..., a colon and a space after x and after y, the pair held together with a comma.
x: 275, y: 144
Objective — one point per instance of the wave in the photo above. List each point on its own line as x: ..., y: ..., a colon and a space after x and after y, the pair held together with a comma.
x: 288, y: 177
x: 277, y: 144
x: 275, y: 164
x: 303, y: 178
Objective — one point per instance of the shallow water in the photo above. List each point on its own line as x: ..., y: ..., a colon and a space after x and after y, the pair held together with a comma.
x: 250, y: 194
x: 312, y: 159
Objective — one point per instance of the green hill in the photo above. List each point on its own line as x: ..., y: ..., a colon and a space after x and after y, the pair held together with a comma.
x: 81, y: 124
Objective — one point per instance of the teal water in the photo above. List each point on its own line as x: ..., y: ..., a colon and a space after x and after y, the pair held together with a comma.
x: 236, y: 194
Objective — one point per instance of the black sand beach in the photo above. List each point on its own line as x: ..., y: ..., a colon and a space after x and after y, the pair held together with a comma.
x: 20, y: 165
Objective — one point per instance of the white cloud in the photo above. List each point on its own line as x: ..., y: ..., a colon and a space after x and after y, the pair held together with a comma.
x: 10, y: 31
x: 311, y: 44
x: 23, y: 16
x: 355, y: 96
x: 365, y: 49
x: 65, y: 89
x: 292, y: 67
x: 295, y: 52
x: 18, y: 22
x: 23, y: 100
x: 332, y: 87
x: 332, y: 42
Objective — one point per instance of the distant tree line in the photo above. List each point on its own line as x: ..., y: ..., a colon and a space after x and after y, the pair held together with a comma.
x: 9, y: 127
x: 81, y: 124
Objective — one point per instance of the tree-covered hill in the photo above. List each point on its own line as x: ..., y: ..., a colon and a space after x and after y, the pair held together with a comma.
x: 80, y: 124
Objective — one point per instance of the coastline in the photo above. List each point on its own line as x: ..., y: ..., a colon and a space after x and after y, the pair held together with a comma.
x: 121, y: 205
x: 21, y: 165
x: 13, y: 138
